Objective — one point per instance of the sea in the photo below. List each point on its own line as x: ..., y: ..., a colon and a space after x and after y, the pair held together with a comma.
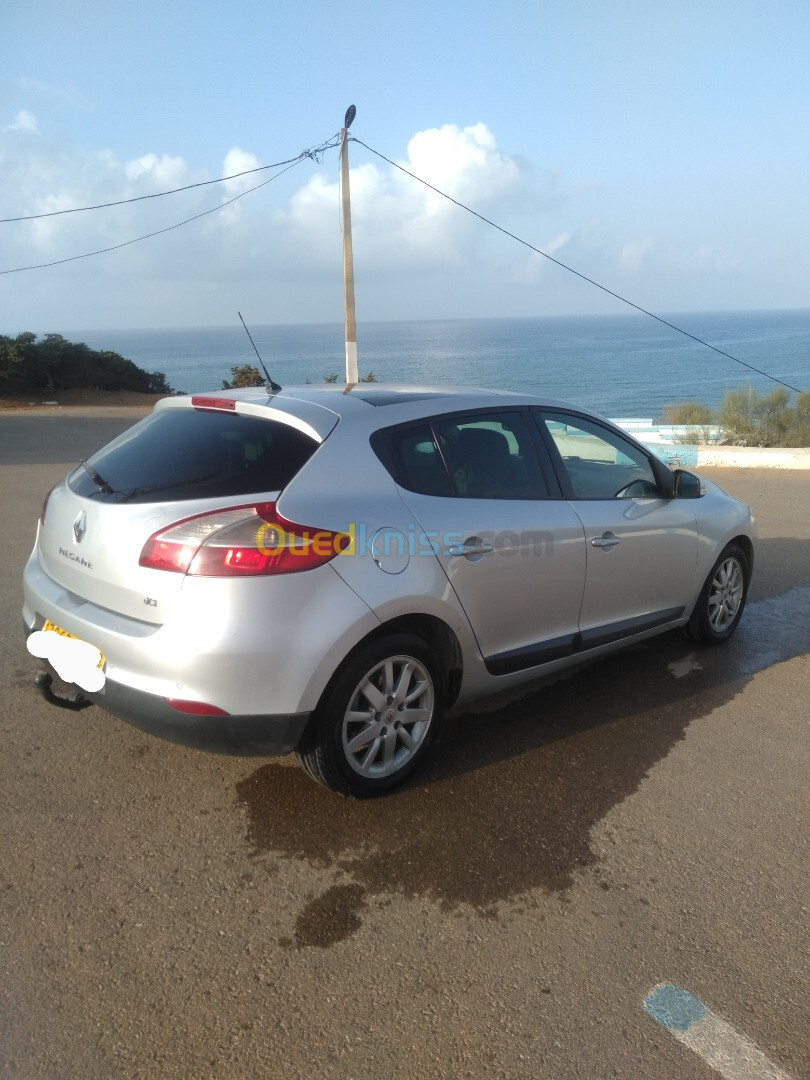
x: 620, y: 365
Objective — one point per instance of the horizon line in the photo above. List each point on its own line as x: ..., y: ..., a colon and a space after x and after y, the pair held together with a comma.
x: 393, y: 322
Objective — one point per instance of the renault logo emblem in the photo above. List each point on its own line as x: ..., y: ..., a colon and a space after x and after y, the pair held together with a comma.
x: 80, y: 527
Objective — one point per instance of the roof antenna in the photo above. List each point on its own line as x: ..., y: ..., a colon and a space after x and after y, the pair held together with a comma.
x: 270, y: 386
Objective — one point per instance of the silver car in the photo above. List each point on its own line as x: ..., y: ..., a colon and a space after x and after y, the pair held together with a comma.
x: 328, y: 571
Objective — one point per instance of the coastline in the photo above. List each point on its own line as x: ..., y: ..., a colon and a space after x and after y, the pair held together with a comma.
x: 130, y: 403
x: 111, y: 402
x: 619, y: 364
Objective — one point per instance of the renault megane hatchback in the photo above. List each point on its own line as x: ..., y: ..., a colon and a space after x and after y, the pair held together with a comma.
x: 328, y: 571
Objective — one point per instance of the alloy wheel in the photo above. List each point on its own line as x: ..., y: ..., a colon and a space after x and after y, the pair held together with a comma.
x: 389, y: 716
x: 725, y: 594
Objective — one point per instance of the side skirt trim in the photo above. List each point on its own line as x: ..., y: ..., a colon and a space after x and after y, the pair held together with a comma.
x: 543, y: 652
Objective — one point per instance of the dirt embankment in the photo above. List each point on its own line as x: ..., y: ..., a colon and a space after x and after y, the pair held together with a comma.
x: 92, y: 398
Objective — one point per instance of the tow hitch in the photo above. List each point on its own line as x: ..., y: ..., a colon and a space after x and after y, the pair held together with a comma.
x: 75, y: 701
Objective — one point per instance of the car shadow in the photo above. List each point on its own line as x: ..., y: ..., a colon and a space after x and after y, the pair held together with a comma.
x: 506, y: 801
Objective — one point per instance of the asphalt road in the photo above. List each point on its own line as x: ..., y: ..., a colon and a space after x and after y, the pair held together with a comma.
x: 167, y: 913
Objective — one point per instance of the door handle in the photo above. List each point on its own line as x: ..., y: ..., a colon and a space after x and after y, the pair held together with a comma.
x: 606, y: 540
x: 473, y: 546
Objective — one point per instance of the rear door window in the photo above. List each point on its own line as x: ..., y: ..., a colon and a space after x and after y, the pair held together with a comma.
x: 181, y: 454
x: 491, y: 456
x: 488, y: 455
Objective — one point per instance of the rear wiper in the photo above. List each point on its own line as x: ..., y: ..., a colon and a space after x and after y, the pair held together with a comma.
x: 97, y: 479
x: 135, y: 493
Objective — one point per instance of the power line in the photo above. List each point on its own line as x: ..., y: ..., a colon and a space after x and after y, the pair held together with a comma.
x: 172, y: 191
x: 312, y: 154
x: 571, y: 270
x: 146, y: 236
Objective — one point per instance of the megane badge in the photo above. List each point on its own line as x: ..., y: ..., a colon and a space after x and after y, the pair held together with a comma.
x: 80, y: 527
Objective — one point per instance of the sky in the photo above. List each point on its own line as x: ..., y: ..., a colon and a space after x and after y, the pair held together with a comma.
x: 662, y: 149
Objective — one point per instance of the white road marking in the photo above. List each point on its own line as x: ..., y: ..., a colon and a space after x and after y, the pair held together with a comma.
x: 722, y: 1048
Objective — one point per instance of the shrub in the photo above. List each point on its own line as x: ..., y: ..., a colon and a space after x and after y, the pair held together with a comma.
x: 689, y: 412
x: 244, y: 375
x: 747, y: 418
x: 371, y: 377
x: 751, y: 419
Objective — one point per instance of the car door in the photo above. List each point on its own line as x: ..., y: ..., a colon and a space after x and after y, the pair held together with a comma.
x: 512, y: 548
x: 641, y: 546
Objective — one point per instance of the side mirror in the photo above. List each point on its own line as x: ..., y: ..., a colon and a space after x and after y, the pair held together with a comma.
x: 687, y: 485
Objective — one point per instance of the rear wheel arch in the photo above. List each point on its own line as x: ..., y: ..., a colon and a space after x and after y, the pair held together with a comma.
x: 426, y: 637
x: 440, y: 639
x: 377, y: 717
x: 436, y: 635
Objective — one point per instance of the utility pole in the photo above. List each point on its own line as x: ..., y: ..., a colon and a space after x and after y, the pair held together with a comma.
x: 348, y: 260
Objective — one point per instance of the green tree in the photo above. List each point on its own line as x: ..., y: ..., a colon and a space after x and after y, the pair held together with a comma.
x: 28, y: 366
x: 244, y: 375
x: 16, y: 363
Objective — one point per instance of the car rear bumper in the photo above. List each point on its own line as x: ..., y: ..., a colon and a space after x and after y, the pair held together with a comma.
x: 270, y: 735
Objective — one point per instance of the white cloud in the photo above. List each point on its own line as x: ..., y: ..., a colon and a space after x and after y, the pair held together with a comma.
x: 414, y: 250
x: 634, y: 254
x: 49, y: 181
x: 237, y: 161
x: 465, y: 163
x: 557, y: 243
x: 639, y: 256
x: 416, y: 253
x: 399, y: 222
x: 164, y: 172
x: 24, y: 121
x: 535, y: 265
x: 707, y: 257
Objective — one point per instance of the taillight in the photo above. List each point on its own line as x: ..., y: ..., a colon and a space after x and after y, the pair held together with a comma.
x: 240, y: 542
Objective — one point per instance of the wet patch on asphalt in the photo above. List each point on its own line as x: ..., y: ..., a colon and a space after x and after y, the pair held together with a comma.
x: 506, y: 801
x: 330, y: 917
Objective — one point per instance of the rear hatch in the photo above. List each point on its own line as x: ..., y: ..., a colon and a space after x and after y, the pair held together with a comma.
x: 182, y: 461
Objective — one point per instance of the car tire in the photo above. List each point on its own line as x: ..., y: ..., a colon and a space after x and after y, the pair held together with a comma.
x: 376, y: 719
x: 722, y: 598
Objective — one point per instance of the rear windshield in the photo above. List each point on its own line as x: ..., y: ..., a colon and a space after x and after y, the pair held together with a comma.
x: 191, y: 454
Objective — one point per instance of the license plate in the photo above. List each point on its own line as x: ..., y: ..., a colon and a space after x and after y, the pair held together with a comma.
x: 48, y: 625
